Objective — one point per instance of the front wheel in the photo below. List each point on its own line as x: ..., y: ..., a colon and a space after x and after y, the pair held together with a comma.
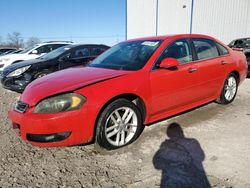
x: 229, y: 90
x: 119, y: 124
x: 42, y: 73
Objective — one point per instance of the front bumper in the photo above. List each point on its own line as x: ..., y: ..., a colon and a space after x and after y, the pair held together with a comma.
x: 51, y: 130
x: 16, y: 84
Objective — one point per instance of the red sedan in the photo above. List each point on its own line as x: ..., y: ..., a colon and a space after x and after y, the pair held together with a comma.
x: 133, y: 84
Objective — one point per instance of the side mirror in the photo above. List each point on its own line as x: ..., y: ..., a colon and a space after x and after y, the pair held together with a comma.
x: 169, y: 63
x: 34, y: 52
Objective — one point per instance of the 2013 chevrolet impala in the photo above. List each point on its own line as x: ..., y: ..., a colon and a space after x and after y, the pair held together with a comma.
x: 133, y: 84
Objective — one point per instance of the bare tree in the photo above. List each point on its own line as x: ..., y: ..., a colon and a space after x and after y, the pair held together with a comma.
x: 32, y: 41
x: 15, y: 39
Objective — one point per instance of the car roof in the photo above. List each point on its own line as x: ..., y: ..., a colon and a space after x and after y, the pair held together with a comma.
x: 164, y: 37
x: 53, y: 42
x: 246, y: 38
x: 78, y: 45
x: 4, y: 48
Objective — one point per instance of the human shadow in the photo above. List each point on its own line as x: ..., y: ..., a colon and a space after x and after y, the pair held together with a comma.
x: 180, y: 160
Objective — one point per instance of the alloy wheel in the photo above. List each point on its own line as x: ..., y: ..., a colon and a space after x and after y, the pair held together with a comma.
x: 121, y: 126
x: 230, y: 88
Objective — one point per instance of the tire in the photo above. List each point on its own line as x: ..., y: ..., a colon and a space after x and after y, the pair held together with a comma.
x: 119, y: 124
x: 229, y: 90
x: 42, y: 73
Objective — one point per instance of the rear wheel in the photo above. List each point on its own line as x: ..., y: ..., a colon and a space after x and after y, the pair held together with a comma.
x: 229, y: 90
x: 119, y: 124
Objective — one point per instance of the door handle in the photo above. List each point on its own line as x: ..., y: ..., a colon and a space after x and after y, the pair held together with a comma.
x: 223, y: 62
x: 192, y: 70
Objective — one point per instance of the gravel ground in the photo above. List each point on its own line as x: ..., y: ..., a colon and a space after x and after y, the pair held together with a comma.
x: 215, y: 146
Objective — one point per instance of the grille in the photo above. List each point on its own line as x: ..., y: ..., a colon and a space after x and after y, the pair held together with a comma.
x: 21, y: 107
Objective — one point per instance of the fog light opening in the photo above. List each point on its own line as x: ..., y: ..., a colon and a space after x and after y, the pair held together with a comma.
x: 48, y: 137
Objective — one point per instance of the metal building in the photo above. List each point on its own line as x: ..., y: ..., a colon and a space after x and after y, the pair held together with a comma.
x: 222, y: 19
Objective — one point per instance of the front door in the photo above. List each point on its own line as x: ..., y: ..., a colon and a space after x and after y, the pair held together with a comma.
x: 175, y: 87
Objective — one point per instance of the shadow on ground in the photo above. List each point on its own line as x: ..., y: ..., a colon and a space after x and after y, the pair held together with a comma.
x: 180, y: 160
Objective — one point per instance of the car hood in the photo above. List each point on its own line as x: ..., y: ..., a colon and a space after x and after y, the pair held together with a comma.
x: 23, y: 64
x: 66, y: 80
x: 12, y: 56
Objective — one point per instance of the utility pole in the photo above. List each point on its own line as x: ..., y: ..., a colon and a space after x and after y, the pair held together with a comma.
x: 156, y: 17
x: 191, y: 17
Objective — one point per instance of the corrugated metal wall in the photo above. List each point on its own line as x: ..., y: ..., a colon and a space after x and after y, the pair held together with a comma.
x: 173, y: 16
x: 223, y: 19
x: 141, y: 18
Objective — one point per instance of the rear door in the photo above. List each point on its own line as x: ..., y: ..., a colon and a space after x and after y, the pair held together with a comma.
x: 173, y: 88
x: 212, y: 66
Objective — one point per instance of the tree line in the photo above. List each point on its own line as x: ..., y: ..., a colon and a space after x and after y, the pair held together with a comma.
x: 16, y: 40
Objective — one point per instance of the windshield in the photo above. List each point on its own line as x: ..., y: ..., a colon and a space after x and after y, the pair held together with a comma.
x: 55, y: 53
x: 17, y: 51
x: 241, y: 43
x: 127, y: 55
x: 27, y: 50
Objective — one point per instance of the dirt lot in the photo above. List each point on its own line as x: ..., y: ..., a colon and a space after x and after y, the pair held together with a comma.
x: 215, y: 146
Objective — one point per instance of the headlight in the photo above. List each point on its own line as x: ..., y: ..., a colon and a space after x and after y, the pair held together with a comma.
x: 60, y: 103
x: 19, y: 71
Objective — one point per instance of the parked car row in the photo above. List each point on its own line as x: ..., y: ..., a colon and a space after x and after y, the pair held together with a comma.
x: 4, y: 51
x: 132, y: 84
x: 30, y: 53
x: 17, y: 76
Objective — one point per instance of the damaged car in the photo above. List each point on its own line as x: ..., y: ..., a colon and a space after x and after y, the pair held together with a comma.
x: 17, y: 76
x: 243, y: 45
x: 133, y: 84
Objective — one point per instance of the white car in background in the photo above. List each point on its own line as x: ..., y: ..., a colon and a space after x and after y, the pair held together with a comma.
x: 30, y: 53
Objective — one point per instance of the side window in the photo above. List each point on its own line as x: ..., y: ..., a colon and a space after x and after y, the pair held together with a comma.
x: 81, y: 52
x: 55, y: 46
x: 239, y: 44
x: 97, y: 51
x: 179, y: 50
x: 48, y: 48
x: 222, y: 49
x: 42, y: 49
x: 205, y: 48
